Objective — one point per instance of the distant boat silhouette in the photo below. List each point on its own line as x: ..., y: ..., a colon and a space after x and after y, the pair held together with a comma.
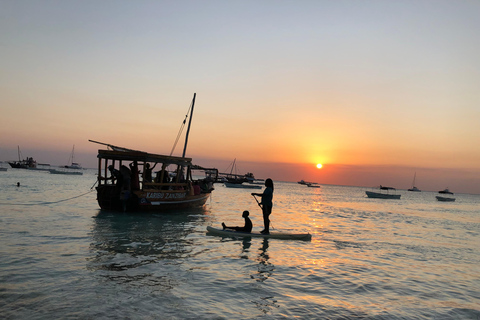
x: 444, y: 199
x: 445, y: 191
x: 413, y: 188
x: 73, y: 164
x: 382, y: 195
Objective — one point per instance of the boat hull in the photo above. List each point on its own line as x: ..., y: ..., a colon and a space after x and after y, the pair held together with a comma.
x: 272, y: 235
x: 110, y: 199
x: 75, y: 173
x: 379, y: 195
x: 445, y: 199
x: 242, y: 186
x: 18, y: 165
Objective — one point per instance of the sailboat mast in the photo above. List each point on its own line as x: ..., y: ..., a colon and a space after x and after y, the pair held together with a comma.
x: 188, y: 129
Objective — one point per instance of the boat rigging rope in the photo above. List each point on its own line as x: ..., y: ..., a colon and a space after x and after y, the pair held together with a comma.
x: 181, y: 129
x: 45, y: 202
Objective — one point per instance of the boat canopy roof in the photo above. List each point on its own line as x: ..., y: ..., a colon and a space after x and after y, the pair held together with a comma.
x: 125, y: 154
x: 141, y: 156
x: 386, y: 188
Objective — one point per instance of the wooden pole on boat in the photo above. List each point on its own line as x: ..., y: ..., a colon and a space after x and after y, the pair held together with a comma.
x: 188, y: 129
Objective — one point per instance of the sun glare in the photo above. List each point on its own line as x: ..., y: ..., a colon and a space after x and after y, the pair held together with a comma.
x: 319, y: 166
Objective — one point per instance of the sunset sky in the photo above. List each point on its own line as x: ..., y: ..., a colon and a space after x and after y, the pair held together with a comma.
x: 373, y: 90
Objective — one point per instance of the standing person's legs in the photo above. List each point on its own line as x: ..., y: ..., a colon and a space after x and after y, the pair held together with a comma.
x: 266, y: 220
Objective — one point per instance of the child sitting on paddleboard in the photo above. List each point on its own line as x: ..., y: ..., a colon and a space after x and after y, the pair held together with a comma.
x: 248, y: 224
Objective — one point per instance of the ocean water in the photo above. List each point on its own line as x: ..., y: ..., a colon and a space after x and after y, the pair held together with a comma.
x: 63, y: 258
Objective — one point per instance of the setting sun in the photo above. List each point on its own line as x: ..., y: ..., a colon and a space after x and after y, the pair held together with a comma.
x: 319, y: 166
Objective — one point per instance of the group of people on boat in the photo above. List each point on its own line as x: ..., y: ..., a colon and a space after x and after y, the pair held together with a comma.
x: 127, y: 179
x: 266, y: 204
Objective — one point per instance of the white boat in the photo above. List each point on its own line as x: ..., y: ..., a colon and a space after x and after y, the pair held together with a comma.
x: 383, y: 195
x: 445, y: 199
x: 272, y: 235
x: 414, y: 188
x: 242, y: 186
x: 75, y: 173
x: 73, y: 164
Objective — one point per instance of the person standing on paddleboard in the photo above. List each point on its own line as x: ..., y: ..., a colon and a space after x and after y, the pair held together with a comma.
x: 266, y: 204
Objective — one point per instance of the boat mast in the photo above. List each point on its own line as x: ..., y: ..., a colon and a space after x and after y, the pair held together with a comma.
x: 234, y: 166
x: 73, y: 155
x: 188, y: 129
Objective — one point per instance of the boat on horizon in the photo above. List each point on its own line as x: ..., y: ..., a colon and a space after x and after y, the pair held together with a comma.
x: 445, y: 191
x: 313, y: 185
x: 73, y: 164
x: 125, y: 181
x: 235, y: 178
x: 65, y: 172
x: 383, y: 195
x: 28, y: 163
x: 306, y: 183
x: 445, y: 198
x: 414, y: 188
x: 242, y: 186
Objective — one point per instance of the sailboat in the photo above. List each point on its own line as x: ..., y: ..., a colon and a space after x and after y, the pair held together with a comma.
x: 73, y: 164
x: 28, y: 163
x: 121, y: 187
x: 232, y: 177
x: 414, y: 188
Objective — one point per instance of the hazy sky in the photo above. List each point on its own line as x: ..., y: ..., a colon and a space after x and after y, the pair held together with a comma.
x: 381, y: 87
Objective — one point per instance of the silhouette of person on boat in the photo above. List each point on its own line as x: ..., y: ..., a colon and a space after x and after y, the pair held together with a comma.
x: 135, y: 179
x: 147, y: 175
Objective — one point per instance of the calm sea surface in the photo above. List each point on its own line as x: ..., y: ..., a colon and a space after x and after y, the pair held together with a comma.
x: 62, y: 258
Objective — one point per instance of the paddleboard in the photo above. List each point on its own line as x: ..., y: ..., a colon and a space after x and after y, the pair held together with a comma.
x: 272, y: 235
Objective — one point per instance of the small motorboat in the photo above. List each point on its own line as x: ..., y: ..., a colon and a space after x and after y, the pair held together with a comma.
x: 383, y: 195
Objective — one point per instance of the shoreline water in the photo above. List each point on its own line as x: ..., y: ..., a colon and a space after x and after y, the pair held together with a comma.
x: 415, y: 258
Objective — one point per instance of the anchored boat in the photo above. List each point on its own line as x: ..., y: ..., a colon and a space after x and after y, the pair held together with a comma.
x: 28, y: 163
x: 445, y: 198
x: 126, y: 182
x: 383, y: 195
x: 414, y: 188
x: 73, y: 164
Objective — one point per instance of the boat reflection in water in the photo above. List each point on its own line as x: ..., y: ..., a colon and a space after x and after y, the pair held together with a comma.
x: 139, y: 248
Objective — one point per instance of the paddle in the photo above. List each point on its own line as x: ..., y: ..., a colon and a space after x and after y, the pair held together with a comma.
x: 257, y: 201
x: 271, y: 225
